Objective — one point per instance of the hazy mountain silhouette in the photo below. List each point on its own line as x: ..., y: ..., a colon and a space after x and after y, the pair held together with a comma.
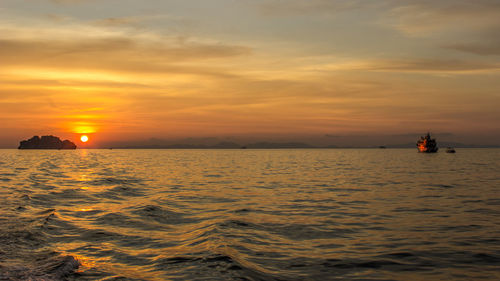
x: 292, y: 141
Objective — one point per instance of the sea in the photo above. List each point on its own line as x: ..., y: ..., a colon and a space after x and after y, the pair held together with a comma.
x: 249, y: 214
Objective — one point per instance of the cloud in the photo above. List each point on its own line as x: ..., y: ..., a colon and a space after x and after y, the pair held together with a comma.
x: 416, y: 65
x: 465, y: 26
x: 69, y: 1
x: 311, y: 6
x: 325, y: 7
x: 483, y: 49
x: 119, y: 54
x: 486, y: 43
x: 417, y: 16
x: 120, y: 21
x: 451, y: 20
x: 10, y: 82
x: 145, y: 21
x: 38, y: 48
x: 461, y: 25
x: 432, y: 65
x: 456, y: 22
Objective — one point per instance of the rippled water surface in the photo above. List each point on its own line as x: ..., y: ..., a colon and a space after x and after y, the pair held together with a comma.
x: 313, y: 214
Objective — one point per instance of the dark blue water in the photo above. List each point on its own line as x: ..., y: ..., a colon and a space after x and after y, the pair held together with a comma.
x: 315, y: 214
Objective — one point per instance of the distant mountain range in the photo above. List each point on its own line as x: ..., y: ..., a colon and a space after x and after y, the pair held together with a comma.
x: 300, y: 141
x: 283, y: 145
x: 445, y: 144
x: 223, y: 145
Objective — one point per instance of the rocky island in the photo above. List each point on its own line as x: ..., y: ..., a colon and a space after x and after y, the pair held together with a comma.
x: 46, y: 142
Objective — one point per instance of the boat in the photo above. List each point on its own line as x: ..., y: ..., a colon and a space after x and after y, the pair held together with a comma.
x: 427, y: 144
x: 450, y: 150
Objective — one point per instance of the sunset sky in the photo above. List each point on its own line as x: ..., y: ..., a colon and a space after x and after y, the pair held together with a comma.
x: 122, y: 70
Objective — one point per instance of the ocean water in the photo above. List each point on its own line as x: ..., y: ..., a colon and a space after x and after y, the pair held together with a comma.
x: 302, y: 214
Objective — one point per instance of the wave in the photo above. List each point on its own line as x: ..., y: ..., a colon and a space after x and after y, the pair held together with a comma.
x: 24, y: 254
x: 202, y: 266
x: 51, y: 269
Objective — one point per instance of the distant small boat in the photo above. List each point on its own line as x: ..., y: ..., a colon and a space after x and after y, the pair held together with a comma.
x: 450, y: 150
x: 382, y: 147
x: 427, y: 144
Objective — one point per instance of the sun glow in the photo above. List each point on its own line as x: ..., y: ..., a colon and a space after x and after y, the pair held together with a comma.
x: 84, y: 138
x: 84, y: 129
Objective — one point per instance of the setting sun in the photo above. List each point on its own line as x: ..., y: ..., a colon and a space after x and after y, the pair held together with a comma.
x: 84, y: 138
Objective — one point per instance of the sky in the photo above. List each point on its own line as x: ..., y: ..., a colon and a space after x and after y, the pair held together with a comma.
x: 126, y: 70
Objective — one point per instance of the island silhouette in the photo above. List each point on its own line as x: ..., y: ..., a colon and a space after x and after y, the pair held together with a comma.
x: 46, y: 142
